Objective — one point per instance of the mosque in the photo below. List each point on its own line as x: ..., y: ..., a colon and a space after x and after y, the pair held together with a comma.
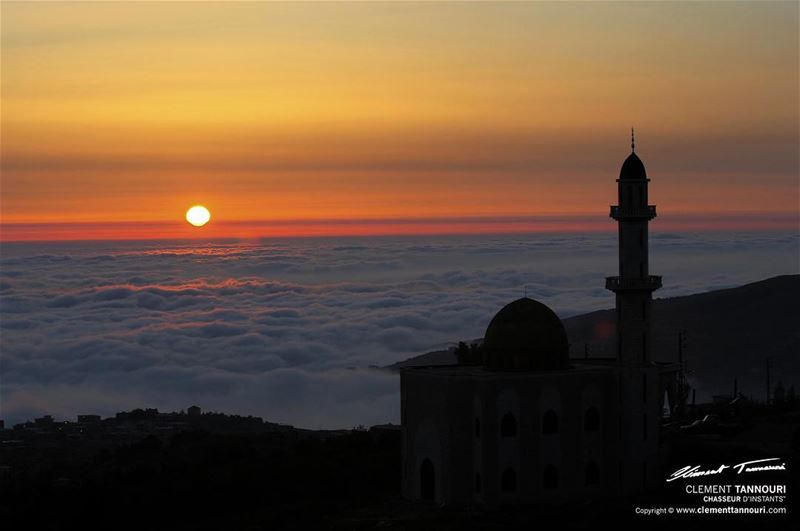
x: 525, y: 423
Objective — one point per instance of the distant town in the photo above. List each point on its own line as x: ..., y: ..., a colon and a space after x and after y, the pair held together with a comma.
x: 131, y: 426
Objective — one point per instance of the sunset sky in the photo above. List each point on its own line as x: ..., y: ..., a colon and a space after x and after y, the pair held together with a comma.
x: 362, y: 118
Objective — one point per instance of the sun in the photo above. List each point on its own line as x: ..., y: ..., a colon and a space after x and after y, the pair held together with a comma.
x: 198, y: 215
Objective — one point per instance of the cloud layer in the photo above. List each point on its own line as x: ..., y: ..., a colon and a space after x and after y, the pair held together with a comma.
x: 288, y: 330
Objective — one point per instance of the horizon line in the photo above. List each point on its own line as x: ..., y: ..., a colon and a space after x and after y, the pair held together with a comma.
x: 178, y: 229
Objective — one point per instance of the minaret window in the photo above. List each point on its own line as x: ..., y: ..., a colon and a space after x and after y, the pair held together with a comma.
x: 644, y: 347
x: 644, y: 388
x: 644, y: 426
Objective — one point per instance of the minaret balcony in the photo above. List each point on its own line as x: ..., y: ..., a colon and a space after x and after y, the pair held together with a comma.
x: 622, y: 213
x: 648, y: 283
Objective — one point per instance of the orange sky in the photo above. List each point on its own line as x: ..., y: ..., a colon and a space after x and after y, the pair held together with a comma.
x: 116, y: 117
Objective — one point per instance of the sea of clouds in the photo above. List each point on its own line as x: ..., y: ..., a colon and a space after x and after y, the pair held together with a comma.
x: 292, y: 330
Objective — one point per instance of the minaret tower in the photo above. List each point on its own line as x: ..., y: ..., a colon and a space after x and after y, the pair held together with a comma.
x: 635, y: 285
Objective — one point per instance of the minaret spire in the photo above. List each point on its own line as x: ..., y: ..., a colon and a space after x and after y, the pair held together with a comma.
x: 634, y: 285
x: 633, y: 143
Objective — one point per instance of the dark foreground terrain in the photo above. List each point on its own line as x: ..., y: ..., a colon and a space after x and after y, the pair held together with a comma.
x: 297, y: 479
x: 201, y: 480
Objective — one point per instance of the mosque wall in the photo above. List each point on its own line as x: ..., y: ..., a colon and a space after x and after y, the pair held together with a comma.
x: 492, y: 437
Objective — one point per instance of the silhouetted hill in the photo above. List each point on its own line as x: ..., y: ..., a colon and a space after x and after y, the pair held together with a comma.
x: 729, y: 333
x: 437, y: 357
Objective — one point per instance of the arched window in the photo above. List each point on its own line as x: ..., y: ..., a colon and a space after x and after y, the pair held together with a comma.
x: 550, y: 477
x: 592, y: 474
x: 478, y: 482
x: 477, y: 428
x: 427, y: 481
x: 508, y: 426
x: 509, y: 483
x: 591, y: 419
x: 550, y: 422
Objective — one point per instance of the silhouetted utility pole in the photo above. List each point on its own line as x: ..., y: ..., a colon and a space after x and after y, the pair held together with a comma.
x: 586, y: 350
x: 735, y: 387
x: 769, y: 385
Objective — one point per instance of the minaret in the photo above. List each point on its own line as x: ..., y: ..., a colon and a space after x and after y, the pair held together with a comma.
x: 635, y: 285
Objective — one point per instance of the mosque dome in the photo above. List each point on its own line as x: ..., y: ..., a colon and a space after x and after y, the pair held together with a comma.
x: 526, y: 335
x: 632, y: 169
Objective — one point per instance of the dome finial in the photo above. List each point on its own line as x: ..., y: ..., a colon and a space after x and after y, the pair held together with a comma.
x: 633, y: 143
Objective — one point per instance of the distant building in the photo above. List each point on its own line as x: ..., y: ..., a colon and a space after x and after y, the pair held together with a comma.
x: 89, y: 419
x: 194, y: 411
x: 46, y: 420
x: 524, y: 422
x: 380, y: 429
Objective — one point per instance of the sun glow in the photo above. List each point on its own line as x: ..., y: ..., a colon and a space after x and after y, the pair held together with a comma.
x: 198, y: 215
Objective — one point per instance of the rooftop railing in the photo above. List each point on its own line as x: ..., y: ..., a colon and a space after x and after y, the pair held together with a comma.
x: 648, y: 282
x: 648, y: 212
